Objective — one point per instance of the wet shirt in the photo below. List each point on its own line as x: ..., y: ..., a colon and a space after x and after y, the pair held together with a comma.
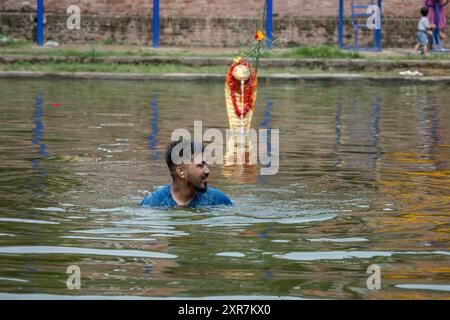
x: 162, y: 197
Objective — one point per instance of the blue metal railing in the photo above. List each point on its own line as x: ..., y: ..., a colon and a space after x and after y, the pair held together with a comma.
x: 359, y: 11
x: 40, y: 23
x: 269, y: 17
x: 155, y: 24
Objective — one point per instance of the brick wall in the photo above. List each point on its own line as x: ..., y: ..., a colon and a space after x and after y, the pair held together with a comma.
x: 213, y: 8
x: 202, y: 22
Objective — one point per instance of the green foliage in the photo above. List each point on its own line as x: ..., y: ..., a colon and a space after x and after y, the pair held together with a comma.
x: 109, y: 41
x: 320, y: 52
x: 255, y: 51
x: 12, y: 42
x: 54, y: 66
x: 260, y: 47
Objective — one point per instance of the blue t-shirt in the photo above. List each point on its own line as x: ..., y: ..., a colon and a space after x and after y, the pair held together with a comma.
x: 162, y: 197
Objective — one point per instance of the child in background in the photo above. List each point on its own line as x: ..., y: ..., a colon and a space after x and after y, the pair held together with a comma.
x: 424, y: 30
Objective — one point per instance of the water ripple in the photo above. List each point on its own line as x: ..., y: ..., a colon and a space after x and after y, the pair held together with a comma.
x: 434, y: 287
x: 27, y: 221
x: 340, y: 255
x: 84, y: 251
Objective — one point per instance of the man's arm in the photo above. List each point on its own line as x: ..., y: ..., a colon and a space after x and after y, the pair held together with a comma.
x: 222, y: 198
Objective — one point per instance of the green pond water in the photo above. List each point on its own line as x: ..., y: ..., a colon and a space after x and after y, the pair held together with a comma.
x: 363, y: 180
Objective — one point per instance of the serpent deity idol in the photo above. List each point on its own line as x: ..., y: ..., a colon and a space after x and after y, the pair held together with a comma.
x: 240, y: 97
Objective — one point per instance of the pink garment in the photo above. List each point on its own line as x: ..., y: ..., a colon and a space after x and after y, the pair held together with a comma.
x: 431, y: 15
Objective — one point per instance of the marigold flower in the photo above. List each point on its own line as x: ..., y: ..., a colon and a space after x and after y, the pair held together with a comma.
x: 260, y: 36
x: 237, y: 60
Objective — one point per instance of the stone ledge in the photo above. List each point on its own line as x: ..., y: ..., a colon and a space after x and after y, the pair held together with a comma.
x: 321, y: 64
x: 220, y: 77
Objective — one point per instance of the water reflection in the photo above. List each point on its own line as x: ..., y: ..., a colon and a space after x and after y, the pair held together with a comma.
x: 309, y: 231
x: 246, y: 172
x: 429, y: 128
x: 153, y: 136
x: 358, y: 134
x: 338, y: 124
x: 415, y: 182
x: 38, y: 131
x: 38, y: 183
x: 265, y: 124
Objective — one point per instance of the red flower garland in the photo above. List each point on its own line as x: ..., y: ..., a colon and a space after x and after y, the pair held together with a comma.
x: 247, y: 86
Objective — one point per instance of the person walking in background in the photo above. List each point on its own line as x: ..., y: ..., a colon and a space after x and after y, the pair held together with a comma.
x: 424, y: 30
x: 431, y: 4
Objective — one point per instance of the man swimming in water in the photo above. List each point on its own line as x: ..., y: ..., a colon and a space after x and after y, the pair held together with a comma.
x: 190, y: 181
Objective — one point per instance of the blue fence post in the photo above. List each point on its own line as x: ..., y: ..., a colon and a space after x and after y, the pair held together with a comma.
x: 378, y: 30
x: 40, y: 23
x: 341, y: 25
x: 437, y: 35
x: 155, y: 23
x: 269, y: 16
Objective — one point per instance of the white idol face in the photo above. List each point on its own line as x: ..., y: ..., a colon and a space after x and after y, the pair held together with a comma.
x: 241, y: 72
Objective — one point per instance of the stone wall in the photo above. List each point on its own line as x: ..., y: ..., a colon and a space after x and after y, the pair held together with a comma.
x: 202, y: 22
x: 213, y: 8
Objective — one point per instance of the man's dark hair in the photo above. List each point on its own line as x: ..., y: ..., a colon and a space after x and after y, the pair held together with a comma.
x: 424, y: 11
x: 183, y: 144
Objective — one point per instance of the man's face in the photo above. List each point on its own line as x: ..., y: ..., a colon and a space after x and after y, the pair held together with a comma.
x: 197, y: 173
